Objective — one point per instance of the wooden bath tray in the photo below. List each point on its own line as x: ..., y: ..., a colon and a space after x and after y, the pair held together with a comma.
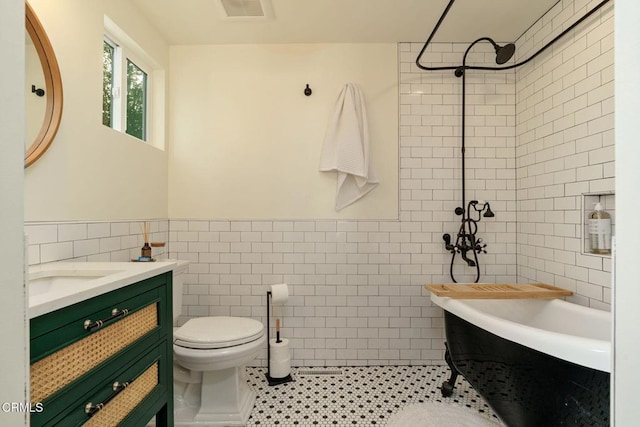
x: 498, y: 291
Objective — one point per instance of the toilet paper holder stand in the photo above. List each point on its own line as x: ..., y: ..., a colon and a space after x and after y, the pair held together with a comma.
x: 272, y: 381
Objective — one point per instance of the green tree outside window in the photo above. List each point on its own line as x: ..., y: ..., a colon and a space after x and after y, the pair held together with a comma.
x: 136, y: 101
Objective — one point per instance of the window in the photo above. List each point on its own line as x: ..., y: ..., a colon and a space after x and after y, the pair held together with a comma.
x: 136, y: 101
x: 108, y: 58
x: 126, y: 84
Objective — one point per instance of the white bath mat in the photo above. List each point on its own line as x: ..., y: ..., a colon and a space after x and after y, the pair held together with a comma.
x: 434, y: 414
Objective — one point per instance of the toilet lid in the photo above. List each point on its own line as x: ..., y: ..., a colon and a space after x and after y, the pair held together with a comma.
x: 217, y: 332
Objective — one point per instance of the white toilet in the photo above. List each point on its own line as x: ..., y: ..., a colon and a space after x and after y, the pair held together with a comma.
x: 210, y: 354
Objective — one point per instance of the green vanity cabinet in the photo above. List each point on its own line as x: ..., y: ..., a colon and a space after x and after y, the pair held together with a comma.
x: 106, y: 360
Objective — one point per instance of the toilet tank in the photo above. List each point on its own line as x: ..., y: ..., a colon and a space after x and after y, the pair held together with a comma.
x: 178, y: 287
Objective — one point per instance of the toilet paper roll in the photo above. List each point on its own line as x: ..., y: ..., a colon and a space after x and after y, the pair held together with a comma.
x: 279, y: 347
x: 280, y: 360
x: 279, y: 293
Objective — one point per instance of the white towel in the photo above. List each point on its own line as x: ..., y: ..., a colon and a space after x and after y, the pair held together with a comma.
x: 346, y: 148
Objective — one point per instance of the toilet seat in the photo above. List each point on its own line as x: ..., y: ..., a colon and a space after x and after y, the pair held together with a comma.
x: 217, y: 332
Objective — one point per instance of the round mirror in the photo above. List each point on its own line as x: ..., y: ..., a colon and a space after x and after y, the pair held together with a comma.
x: 43, y: 91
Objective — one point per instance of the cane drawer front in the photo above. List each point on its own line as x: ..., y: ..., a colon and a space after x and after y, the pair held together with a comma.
x: 126, y: 400
x: 61, y: 368
x: 128, y: 396
x: 74, y: 348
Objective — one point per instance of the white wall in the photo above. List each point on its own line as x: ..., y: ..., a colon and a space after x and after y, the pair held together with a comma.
x: 14, y: 359
x: 246, y: 141
x: 626, y: 289
x: 91, y: 171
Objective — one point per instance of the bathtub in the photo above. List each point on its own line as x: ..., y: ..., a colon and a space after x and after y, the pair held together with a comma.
x: 536, y: 362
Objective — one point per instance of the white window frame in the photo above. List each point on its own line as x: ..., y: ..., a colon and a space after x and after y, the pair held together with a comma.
x: 116, y: 99
x: 127, y: 49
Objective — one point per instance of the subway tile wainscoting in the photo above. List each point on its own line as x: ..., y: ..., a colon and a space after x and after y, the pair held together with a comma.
x: 537, y: 139
x: 356, y: 294
x: 95, y: 241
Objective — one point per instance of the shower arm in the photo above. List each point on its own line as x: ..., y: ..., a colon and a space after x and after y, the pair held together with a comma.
x: 508, y: 67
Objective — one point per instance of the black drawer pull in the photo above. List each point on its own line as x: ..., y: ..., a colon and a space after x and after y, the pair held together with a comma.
x: 90, y: 409
x: 115, y: 313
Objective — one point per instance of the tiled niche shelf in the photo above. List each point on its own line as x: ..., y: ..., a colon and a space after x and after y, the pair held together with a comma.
x: 607, y: 200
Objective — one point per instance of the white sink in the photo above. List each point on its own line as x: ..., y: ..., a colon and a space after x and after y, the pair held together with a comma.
x: 47, y: 281
x: 59, y: 284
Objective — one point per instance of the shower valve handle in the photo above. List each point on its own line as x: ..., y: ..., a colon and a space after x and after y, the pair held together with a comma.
x: 447, y: 242
x: 481, y: 248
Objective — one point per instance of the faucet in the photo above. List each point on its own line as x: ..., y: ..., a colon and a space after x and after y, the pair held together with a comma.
x: 466, y: 240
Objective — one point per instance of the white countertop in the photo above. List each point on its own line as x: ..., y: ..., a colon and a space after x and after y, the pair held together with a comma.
x: 115, y: 275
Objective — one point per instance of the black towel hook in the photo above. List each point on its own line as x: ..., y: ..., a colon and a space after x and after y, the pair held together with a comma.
x: 307, y: 90
x: 37, y: 91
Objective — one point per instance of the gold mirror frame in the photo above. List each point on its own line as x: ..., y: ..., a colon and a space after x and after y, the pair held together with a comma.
x: 53, y: 84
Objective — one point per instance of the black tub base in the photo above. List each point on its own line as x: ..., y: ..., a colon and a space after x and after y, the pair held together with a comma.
x: 524, y: 387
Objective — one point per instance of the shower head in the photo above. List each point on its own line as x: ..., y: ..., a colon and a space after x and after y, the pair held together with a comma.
x: 488, y: 213
x: 504, y: 53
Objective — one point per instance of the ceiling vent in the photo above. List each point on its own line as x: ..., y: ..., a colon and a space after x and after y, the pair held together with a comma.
x: 244, y: 9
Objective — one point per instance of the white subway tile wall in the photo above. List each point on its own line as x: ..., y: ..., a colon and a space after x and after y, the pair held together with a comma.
x: 355, y: 286
x: 537, y: 139
x: 564, y: 149
x: 92, y: 241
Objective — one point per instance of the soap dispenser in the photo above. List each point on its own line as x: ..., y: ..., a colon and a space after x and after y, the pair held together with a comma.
x: 600, y: 231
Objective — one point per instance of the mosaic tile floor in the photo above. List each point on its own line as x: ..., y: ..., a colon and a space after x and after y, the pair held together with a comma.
x: 359, y: 396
